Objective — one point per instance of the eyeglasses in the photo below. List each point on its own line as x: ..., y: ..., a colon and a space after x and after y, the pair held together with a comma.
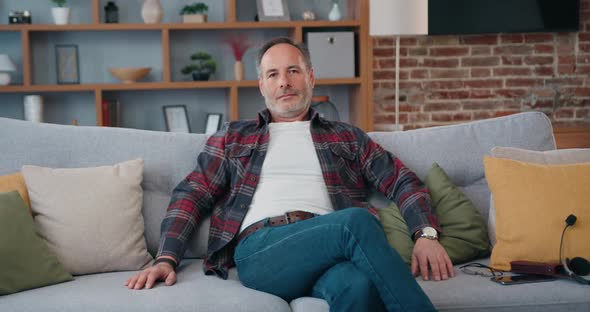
x: 480, y: 269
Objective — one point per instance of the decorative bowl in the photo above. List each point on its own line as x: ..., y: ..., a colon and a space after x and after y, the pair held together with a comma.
x: 130, y: 74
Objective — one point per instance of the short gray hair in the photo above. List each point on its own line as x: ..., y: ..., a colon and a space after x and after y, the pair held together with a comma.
x: 299, y: 46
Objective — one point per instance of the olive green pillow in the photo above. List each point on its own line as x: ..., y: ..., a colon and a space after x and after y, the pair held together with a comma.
x: 464, y: 232
x: 26, y: 261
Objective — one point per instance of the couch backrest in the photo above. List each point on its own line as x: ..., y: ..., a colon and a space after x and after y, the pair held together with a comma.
x: 459, y: 149
x: 170, y: 156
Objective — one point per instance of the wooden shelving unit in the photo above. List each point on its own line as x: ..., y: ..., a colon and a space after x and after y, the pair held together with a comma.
x: 360, y: 110
x: 572, y: 136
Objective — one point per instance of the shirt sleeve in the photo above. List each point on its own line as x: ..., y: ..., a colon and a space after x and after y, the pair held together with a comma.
x: 194, y: 197
x: 391, y: 177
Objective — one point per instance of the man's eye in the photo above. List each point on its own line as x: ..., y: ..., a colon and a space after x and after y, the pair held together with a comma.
x: 272, y: 75
x: 293, y: 71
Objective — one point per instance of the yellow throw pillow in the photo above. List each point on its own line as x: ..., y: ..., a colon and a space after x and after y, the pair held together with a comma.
x: 532, y: 202
x: 15, y: 182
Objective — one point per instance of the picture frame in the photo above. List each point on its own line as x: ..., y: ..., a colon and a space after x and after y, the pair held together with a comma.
x: 67, y: 64
x: 176, y: 118
x: 213, y: 123
x: 273, y: 10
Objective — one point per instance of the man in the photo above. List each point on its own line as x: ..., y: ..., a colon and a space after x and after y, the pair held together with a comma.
x: 288, y: 182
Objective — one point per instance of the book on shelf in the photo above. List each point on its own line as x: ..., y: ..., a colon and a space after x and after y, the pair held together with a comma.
x: 110, y: 113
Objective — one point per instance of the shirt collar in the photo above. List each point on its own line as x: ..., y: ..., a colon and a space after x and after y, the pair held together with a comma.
x: 264, y: 117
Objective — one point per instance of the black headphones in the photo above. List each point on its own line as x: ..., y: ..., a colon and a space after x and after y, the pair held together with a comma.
x: 578, y: 265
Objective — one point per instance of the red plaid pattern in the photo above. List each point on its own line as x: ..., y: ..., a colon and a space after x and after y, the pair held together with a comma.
x: 227, y: 172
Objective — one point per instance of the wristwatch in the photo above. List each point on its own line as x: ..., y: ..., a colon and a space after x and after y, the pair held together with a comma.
x: 426, y: 232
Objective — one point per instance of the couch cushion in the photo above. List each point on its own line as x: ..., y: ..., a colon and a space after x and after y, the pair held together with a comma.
x: 26, y: 262
x: 464, y: 232
x: 168, y: 158
x: 91, y: 217
x: 555, y: 157
x: 532, y: 202
x: 476, y: 293
x: 15, y: 182
x: 193, y: 291
x: 467, y: 293
x: 460, y: 148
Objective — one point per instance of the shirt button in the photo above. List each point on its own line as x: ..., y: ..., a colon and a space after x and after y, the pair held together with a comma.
x: 252, y: 178
x: 242, y: 206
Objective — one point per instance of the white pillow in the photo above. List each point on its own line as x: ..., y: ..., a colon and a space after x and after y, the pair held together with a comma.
x: 91, y: 217
x: 552, y: 157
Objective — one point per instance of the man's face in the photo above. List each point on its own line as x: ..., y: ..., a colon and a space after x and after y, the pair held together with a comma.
x: 285, y: 82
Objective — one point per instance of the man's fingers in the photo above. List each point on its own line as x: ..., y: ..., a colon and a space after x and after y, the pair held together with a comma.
x: 132, y: 281
x: 442, y: 265
x: 449, y: 264
x: 435, y: 267
x: 141, y: 281
x: 424, y: 267
x: 152, y: 278
x: 414, y: 265
x: 171, y: 279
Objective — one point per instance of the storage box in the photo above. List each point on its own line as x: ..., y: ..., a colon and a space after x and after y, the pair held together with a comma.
x: 332, y: 54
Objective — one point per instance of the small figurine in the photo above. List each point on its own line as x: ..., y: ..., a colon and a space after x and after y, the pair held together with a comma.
x: 308, y: 16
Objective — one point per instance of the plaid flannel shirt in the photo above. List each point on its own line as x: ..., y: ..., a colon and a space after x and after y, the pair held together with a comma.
x: 228, y: 169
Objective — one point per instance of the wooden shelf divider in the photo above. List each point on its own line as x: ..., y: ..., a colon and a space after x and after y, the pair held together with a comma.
x: 96, y: 11
x: 233, y: 109
x: 98, y: 103
x: 166, y: 55
x: 26, y: 50
x: 230, y: 11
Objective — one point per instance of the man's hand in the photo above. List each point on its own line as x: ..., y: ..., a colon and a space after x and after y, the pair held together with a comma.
x: 148, y: 277
x: 430, y: 253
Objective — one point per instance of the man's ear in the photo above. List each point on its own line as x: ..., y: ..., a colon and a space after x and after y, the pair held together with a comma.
x: 311, y: 77
x: 260, y: 85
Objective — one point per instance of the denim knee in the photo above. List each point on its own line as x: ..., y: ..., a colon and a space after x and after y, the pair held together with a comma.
x: 361, y: 287
x: 357, y: 215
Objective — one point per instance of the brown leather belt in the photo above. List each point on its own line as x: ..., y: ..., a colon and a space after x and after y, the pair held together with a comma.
x: 289, y: 217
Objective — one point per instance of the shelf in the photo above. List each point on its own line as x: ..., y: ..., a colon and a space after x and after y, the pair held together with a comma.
x: 572, y: 136
x: 46, y: 88
x: 180, y: 26
x: 159, y: 85
x: 166, y: 47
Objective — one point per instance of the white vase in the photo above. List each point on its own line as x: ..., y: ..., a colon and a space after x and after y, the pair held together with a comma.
x: 61, y: 16
x: 4, y: 79
x: 33, y: 108
x: 151, y: 11
x: 335, y: 14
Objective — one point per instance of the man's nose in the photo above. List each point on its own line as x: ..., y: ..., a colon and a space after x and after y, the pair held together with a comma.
x: 284, y: 81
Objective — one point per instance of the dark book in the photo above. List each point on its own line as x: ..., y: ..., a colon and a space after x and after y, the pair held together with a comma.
x: 110, y: 113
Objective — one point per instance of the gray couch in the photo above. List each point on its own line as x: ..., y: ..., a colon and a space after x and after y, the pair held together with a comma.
x: 169, y: 157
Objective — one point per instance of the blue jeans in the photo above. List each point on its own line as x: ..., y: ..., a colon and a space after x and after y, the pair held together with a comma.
x: 342, y: 257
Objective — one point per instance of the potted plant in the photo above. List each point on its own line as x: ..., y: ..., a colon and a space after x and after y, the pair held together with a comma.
x: 61, y: 14
x: 203, y: 68
x: 194, y: 13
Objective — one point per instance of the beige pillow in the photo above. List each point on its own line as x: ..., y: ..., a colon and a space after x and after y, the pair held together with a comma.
x: 552, y: 157
x: 91, y: 217
x: 532, y: 202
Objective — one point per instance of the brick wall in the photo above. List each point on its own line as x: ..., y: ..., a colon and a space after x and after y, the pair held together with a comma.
x: 453, y: 79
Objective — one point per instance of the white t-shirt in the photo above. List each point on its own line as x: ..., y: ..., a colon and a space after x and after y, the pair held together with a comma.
x: 291, y: 177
